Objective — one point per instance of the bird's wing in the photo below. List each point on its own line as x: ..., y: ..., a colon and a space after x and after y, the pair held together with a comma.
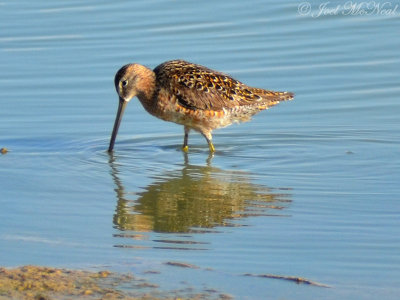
x: 199, y: 88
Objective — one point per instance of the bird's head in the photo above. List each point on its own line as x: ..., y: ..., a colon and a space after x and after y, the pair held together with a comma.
x: 130, y: 81
x: 127, y: 81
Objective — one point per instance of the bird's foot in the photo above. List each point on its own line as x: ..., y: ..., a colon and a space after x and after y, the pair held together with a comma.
x: 185, y: 149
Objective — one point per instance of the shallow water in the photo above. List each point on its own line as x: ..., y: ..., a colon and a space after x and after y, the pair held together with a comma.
x: 308, y: 188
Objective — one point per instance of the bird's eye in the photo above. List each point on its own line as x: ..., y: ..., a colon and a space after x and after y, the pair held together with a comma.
x: 124, y: 83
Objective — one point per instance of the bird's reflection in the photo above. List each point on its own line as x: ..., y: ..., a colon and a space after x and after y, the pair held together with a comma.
x: 193, y: 198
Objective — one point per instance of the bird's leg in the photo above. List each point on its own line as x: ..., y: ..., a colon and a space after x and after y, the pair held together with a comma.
x: 211, y: 146
x: 208, y: 137
x: 185, y: 147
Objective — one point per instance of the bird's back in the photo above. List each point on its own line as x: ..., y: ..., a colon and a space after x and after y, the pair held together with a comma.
x: 199, y: 88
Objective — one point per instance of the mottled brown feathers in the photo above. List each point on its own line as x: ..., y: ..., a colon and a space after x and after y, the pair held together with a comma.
x: 197, y: 87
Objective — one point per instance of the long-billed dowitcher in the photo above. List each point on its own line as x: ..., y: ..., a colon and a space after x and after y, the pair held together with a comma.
x: 191, y: 95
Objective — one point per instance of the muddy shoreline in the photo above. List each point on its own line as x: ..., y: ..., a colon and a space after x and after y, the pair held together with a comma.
x: 47, y: 283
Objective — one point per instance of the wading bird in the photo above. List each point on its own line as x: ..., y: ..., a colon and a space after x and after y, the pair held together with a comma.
x: 191, y: 95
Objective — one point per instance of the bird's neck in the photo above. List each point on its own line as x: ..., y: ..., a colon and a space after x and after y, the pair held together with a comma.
x: 146, y: 87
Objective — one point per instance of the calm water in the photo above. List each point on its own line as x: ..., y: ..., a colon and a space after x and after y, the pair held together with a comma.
x: 309, y: 188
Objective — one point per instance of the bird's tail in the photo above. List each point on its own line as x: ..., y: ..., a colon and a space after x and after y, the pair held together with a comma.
x: 284, y: 96
x: 271, y: 98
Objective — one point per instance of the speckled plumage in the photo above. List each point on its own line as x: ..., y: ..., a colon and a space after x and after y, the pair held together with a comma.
x: 191, y: 95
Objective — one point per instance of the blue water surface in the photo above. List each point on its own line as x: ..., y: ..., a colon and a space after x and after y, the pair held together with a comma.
x: 309, y: 188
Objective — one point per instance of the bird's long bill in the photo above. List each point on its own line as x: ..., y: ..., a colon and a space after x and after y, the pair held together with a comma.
x: 120, y: 113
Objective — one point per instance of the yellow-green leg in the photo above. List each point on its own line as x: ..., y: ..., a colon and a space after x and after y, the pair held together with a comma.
x: 208, y: 137
x: 211, y: 146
